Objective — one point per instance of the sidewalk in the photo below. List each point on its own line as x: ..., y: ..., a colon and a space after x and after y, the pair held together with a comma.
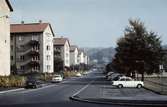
x: 107, y: 94
x: 5, y: 90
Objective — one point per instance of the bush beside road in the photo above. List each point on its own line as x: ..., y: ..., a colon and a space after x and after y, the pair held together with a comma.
x: 12, y: 81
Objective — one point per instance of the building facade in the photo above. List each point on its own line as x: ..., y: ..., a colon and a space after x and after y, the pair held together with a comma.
x: 81, y: 58
x: 5, y: 9
x: 62, y: 50
x: 86, y: 59
x: 73, y: 55
x: 31, y: 48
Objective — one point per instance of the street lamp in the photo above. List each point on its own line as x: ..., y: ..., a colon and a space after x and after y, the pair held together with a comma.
x: 161, y: 68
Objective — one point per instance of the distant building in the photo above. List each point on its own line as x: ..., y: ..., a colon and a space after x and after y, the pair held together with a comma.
x: 32, y: 48
x: 62, y: 50
x: 81, y: 59
x: 73, y: 55
x: 86, y: 59
x: 5, y: 9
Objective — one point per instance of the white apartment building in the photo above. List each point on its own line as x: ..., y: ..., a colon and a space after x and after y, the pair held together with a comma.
x: 73, y: 55
x: 32, y: 48
x: 81, y: 58
x: 5, y: 9
x: 62, y: 50
x: 86, y: 59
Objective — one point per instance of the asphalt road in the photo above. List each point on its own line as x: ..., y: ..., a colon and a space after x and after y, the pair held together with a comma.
x: 53, y: 95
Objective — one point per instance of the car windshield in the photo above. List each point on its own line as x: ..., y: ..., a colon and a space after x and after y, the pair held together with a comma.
x: 57, y: 76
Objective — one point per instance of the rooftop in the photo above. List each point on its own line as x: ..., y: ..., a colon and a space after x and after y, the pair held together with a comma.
x: 73, y: 47
x: 28, y: 28
x: 60, y: 41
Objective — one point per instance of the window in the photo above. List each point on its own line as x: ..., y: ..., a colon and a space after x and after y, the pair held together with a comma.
x: 47, y: 47
x: 21, y: 58
x: 11, y: 47
x: 11, y: 57
x: 48, y: 57
x: 123, y: 79
x: 66, y: 54
x: 128, y: 79
x: 48, y: 67
x: 22, y: 67
x: 11, y: 38
x: 20, y: 38
x: 22, y: 46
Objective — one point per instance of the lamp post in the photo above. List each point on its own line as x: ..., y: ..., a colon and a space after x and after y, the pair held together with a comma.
x: 161, y: 68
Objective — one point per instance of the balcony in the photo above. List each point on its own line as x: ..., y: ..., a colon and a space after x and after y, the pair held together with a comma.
x: 34, y: 51
x: 34, y: 61
x: 35, y: 69
x: 34, y: 42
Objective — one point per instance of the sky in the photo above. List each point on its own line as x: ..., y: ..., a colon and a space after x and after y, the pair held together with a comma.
x: 93, y: 23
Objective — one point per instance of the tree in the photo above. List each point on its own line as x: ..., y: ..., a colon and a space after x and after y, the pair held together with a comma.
x: 138, y: 51
x: 108, y: 67
x: 58, y: 64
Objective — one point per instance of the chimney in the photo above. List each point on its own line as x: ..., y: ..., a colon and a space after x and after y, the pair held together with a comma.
x: 22, y: 22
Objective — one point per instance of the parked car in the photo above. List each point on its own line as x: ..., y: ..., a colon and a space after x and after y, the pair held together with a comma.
x: 78, y: 74
x: 57, y: 78
x: 109, y: 73
x: 33, y: 83
x: 127, y: 82
x: 85, y: 73
x: 114, y: 76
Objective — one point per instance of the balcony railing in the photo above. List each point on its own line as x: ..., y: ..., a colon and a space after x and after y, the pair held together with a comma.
x: 35, y: 51
x: 34, y: 42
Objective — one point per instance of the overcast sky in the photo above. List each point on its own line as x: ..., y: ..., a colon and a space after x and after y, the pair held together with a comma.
x: 92, y: 23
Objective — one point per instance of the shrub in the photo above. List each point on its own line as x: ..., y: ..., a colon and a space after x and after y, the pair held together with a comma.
x: 67, y: 74
x: 12, y: 81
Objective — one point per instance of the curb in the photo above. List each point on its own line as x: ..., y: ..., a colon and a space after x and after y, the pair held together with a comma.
x: 157, y: 92
x: 121, y: 102
x: 12, y: 90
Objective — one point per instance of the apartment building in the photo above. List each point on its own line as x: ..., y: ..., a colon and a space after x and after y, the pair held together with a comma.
x: 5, y: 9
x: 86, y: 59
x: 32, y: 48
x: 73, y: 55
x: 81, y: 57
x: 62, y: 50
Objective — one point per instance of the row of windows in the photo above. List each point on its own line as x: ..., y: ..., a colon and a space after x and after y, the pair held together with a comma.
x: 21, y: 38
x: 34, y: 68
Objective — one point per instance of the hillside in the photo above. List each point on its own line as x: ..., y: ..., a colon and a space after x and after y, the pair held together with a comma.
x: 101, y: 55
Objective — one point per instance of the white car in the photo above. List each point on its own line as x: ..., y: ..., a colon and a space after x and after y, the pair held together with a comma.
x: 114, y: 75
x: 78, y: 74
x: 127, y: 82
x: 108, y: 74
x: 57, y: 78
x: 85, y: 73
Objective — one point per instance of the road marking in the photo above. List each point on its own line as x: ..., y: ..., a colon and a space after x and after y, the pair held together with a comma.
x: 83, y: 88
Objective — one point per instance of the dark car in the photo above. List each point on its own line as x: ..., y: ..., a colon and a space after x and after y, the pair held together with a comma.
x: 33, y: 83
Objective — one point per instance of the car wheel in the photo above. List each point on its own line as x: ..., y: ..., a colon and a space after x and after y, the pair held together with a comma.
x: 120, y: 86
x: 139, y: 86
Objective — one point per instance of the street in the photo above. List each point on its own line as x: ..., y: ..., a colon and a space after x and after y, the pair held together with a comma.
x: 52, y: 95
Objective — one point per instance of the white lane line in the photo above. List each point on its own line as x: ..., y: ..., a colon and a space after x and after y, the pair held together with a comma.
x: 12, y: 90
x: 86, y: 86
